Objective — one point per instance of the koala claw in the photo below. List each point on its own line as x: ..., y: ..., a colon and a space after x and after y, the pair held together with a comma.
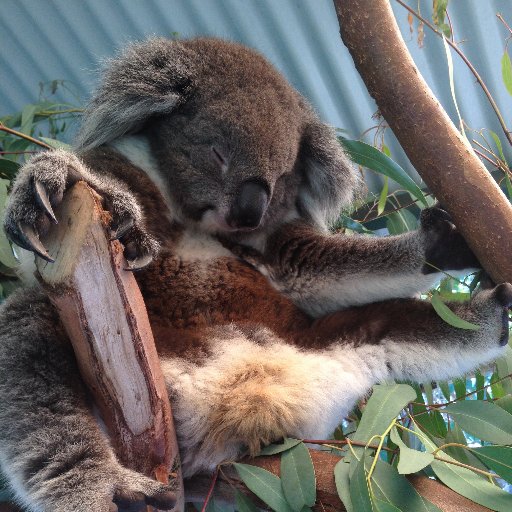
x: 44, y: 200
x: 29, y: 239
x: 139, y: 263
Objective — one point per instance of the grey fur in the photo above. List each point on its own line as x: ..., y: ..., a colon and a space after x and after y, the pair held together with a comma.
x: 185, y: 99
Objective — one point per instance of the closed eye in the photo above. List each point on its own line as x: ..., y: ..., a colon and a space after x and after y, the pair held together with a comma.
x: 219, y: 159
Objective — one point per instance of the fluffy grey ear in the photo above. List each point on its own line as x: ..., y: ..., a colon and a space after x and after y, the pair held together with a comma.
x: 152, y: 77
x: 330, y: 181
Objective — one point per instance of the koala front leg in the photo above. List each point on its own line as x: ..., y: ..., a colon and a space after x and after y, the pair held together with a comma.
x: 406, y: 339
x: 40, y: 186
x: 324, y: 273
x: 51, y: 449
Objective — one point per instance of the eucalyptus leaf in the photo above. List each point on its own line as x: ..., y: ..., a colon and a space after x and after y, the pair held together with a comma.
x: 506, y: 72
x: 359, y: 492
x: 504, y: 367
x: 497, y: 458
x: 244, y: 503
x: 400, y: 222
x: 273, y: 449
x: 497, y: 141
x: 449, y: 316
x: 471, y: 485
x: 298, y: 478
x: 342, y: 480
x: 505, y: 403
x: 383, y: 406
x: 27, y: 118
x: 389, y: 486
x: 56, y: 144
x: 384, y: 506
x: 383, y: 196
x: 411, y: 461
x: 370, y: 157
x: 6, y: 255
x: 8, y: 169
x: 456, y: 435
x: 265, y: 485
x: 484, y: 420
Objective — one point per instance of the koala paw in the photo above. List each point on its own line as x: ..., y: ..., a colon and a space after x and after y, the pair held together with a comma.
x: 445, y: 248
x: 40, y: 187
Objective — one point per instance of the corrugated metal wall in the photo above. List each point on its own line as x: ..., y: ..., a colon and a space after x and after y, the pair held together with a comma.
x: 41, y: 40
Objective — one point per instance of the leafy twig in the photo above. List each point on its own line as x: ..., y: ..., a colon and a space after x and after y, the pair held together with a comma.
x: 210, y: 490
x: 479, y: 79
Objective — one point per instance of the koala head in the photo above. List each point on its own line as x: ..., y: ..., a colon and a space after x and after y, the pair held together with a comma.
x: 237, y: 146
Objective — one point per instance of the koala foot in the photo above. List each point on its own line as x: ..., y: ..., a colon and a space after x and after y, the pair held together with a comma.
x: 445, y: 247
x: 39, y: 188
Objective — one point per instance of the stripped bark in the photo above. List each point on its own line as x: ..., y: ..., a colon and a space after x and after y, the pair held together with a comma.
x: 442, y: 157
x: 104, y: 315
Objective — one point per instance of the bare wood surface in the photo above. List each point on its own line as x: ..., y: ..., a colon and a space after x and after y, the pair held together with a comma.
x: 442, y: 157
x: 103, y: 312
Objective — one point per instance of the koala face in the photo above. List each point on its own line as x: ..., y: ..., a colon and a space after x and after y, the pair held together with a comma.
x: 226, y: 172
x: 237, y: 146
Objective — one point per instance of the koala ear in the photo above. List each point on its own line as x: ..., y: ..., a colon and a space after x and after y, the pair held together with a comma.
x: 148, y: 78
x: 330, y: 181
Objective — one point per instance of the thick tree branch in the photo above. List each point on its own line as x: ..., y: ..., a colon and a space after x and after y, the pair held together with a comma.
x: 440, y: 154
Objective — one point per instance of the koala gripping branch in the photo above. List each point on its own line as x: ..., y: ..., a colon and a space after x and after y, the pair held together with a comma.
x: 444, y: 159
x: 103, y: 312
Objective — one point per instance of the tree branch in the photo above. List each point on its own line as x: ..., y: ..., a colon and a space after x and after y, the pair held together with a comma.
x: 440, y: 154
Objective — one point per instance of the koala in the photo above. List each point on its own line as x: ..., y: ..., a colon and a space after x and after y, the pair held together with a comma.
x: 222, y: 183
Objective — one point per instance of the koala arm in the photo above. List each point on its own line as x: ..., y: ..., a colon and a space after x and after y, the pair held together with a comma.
x: 324, y: 273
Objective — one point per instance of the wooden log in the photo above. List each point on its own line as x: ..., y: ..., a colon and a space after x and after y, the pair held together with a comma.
x: 104, y: 315
x: 442, y: 157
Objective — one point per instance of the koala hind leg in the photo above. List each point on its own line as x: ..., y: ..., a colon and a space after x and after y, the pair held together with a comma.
x: 51, y: 449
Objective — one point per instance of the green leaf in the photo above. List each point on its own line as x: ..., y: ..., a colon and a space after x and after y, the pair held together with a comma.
x: 341, y: 478
x: 452, y: 85
x: 6, y: 255
x: 346, y: 222
x: 56, y: 144
x: 244, y: 503
x: 504, y: 367
x: 8, y: 168
x: 359, y: 492
x: 389, y: 486
x: 483, y: 420
x: 298, y: 478
x: 384, y: 506
x: 506, y: 72
x: 265, y: 485
x: 469, y: 484
x: 505, y: 403
x: 411, y: 461
x: 497, y: 458
x: 273, y: 449
x: 27, y: 119
x: 383, y: 196
x: 449, y: 316
x: 445, y: 388
x: 480, y: 385
x: 370, y: 157
x: 460, y: 387
x: 455, y: 435
x: 497, y: 141
x: 384, y: 405
x: 400, y: 222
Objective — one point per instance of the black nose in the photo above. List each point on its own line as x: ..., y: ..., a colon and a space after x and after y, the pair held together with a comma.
x: 249, y: 205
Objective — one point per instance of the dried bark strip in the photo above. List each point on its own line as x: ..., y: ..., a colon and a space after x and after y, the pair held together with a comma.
x: 103, y: 312
x: 437, y: 150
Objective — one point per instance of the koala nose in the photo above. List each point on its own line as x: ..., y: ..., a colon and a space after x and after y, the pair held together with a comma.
x: 249, y: 205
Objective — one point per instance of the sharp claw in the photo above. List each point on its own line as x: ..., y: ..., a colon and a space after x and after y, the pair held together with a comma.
x: 31, y: 241
x: 44, y: 200
x: 139, y: 263
x: 122, y: 228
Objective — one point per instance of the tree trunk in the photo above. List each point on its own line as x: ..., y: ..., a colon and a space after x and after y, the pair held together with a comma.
x: 104, y: 315
x: 442, y: 157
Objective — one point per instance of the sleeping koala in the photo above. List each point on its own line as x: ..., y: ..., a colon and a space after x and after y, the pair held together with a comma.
x: 222, y: 183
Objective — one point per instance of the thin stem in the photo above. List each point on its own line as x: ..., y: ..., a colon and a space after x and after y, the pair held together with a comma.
x: 479, y: 79
x: 210, y: 490
x: 467, y: 466
x: 17, y: 152
x: 24, y: 136
x: 500, y: 17
x: 343, y: 443
x: 490, y: 160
